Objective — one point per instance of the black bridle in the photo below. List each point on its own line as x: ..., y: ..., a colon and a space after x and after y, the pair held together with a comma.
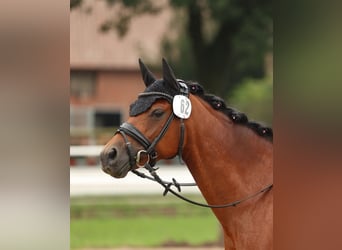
x: 147, y: 157
x: 149, y: 152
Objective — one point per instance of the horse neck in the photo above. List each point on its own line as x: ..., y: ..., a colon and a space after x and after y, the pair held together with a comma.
x: 228, y: 161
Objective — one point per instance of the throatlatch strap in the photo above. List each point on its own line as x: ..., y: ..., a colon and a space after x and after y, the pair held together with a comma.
x: 181, y: 141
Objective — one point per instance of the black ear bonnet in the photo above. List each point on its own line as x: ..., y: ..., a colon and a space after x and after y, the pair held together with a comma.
x: 143, y: 103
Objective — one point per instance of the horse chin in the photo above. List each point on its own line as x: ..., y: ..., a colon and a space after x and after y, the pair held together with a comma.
x: 120, y: 175
x: 117, y: 172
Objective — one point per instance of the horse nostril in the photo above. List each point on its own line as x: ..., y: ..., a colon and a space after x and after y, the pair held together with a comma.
x: 112, y: 154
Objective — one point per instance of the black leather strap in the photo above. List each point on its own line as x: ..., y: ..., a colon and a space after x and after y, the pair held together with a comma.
x: 128, y: 148
x: 133, y: 132
x: 161, y: 133
x: 129, y: 129
x: 181, y: 141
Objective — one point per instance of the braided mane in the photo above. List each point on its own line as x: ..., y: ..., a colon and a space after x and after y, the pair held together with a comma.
x: 145, y: 101
x: 237, y: 117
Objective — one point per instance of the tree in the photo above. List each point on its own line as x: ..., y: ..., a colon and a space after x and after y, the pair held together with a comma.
x: 223, y: 42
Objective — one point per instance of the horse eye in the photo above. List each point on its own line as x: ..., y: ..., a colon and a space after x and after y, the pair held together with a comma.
x: 157, y: 113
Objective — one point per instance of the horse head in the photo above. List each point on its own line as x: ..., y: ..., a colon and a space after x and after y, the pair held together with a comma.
x: 152, y: 130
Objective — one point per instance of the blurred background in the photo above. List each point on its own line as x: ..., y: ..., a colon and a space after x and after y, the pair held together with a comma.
x: 224, y: 45
x: 35, y: 64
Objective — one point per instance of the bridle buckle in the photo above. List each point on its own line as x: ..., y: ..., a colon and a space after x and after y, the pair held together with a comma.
x: 142, y: 158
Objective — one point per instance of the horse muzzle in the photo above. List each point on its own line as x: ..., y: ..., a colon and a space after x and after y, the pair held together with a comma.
x: 115, y: 162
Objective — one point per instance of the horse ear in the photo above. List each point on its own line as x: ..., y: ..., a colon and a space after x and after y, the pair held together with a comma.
x: 169, y: 76
x: 147, y: 75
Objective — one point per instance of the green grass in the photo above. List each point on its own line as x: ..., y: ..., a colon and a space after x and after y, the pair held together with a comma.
x: 139, y: 221
x: 143, y: 231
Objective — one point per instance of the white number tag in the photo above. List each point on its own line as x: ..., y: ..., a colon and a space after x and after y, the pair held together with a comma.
x: 181, y: 106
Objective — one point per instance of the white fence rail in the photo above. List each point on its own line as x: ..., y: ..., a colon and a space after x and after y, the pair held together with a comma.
x: 86, y: 151
x: 93, y: 181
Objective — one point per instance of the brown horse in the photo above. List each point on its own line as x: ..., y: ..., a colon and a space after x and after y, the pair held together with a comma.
x: 229, y: 157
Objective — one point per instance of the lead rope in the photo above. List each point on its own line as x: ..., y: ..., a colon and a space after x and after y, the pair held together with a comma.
x: 168, y: 185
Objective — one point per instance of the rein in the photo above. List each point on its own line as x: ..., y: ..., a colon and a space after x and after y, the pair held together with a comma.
x: 167, y: 186
x: 147, y: 157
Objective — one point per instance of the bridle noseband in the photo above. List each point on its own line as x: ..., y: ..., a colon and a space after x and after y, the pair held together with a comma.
x: 149, y: 147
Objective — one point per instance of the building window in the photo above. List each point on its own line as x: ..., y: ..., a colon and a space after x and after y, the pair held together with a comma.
x: 81, y: 118
x: 91, y: 126
x: 82, y: 83
x: 106, y: 119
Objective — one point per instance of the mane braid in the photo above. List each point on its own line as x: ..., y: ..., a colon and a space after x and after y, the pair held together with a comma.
x: 237, y: 117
